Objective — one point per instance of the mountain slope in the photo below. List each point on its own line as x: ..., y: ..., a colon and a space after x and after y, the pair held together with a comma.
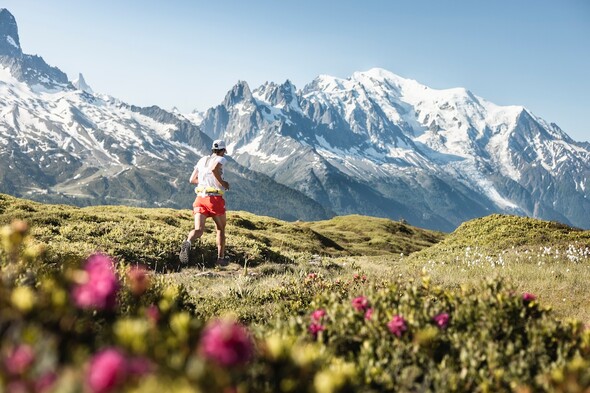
x: 379, y: 144
x: 26, y: 68
x: 153, y: 236
x: 374, y: 144
x: 60, y: 142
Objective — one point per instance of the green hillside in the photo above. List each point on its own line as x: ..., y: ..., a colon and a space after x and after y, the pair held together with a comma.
x: 496, y: 234
x: 375, y: 236
x: 348, y: 304
x: 153, y: 236
x: 547, y: 258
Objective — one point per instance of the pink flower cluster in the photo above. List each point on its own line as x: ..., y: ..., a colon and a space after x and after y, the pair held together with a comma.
x: 441, y: 320
x: 318, y: 314
x: 139, y: 280
x: 397, y: 325
x: 17, y: 364
x: 528, y: 297
x: 361, y: 304
x: 110, y: 368
x: 226, y: 343
x: 152, y: 312
x: 358, y: 277
x: 19, y: 360
x: 315, y: 327
x: 99, y: 288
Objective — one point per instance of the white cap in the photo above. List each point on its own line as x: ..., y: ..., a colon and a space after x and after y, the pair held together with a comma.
x: 218, y: 144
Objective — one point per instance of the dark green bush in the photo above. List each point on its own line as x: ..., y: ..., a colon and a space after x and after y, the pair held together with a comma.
x: 88, y: 327
x: 494, y: 339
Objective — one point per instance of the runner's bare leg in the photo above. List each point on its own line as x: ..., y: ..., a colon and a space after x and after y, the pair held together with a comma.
x: 199, y: 227
x: 220, y: 222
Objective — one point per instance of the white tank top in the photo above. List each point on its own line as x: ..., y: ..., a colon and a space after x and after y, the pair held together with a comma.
x: 205, y: 168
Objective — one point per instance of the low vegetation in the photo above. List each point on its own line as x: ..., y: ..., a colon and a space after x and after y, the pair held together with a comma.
x: 349, y: 304
x: 498, y: 233
x: 152, y: 236
x: 547, y: 258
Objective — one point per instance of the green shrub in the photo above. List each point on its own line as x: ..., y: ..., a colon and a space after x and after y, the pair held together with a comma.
x: 422, y: 338
x: 87, y: 326
x: 153, y: 236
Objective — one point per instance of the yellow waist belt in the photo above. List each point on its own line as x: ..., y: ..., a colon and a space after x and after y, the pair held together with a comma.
x: 208, y: 190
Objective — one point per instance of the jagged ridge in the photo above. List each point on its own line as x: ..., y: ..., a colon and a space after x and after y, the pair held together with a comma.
x: 380, y: 144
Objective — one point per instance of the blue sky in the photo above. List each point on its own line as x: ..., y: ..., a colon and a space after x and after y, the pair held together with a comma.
x: 188, y: 54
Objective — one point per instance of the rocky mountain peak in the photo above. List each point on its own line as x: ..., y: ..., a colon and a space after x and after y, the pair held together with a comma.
x: 31, y: 69
x: 239, y: 93
x: 9, y: 40
x: 375, y: 136
x: 288, y: 91
x: 80, y: 84
x: 281, y: 96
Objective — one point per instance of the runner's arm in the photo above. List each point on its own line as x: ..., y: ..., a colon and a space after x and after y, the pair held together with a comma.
x: 194, y: 177
x: 217, y: 173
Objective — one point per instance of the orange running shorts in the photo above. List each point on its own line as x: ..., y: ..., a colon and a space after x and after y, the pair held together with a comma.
x: 213, y: 205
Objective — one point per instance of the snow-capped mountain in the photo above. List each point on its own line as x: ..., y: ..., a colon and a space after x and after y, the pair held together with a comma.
x: 26, y: 68
x: 379, y: 144
x: 80, y: 84
x: 374, y: 143
x: 61, y: 142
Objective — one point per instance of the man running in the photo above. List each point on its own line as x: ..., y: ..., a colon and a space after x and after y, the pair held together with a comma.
x: 208, y: 176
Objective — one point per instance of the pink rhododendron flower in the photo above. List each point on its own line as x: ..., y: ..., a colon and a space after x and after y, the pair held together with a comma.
x: 107, y: 371
x: 369, y: 314
x: 45, y: 382
x: 397, y: 325
x: 358, y: 277
x: 311, y: 276
x: 139, y: 366
x: 314, y: 328
x: 20, y: 359
x: 360, y: 303
x: 153, y: 313
x: 441, y: 320
x: 226, y: 342
x: 99, y: 291
x: 318, y: 314
x: 139, y: 279
x: 528, y: 297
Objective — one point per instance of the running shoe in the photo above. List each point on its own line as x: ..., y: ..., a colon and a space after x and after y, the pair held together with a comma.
x: 184, y: 251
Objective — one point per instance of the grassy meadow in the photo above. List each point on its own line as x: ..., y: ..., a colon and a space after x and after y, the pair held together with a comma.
x: 270, y: 256
x: 350, y: 304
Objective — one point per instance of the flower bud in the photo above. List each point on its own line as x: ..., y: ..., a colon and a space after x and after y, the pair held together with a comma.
x: 226, y: 343
x: 98, y: 286
x: 107, y: 371
x: 20, y: 226
x: 23, y: 298
x: 19, y: 360
x: 139, y: 280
